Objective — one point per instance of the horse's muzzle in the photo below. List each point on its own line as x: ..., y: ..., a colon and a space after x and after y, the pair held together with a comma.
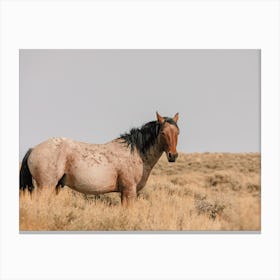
x: 172, y: 157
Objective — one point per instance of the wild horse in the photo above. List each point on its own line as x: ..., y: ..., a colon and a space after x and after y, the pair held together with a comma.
x: 122, y: 165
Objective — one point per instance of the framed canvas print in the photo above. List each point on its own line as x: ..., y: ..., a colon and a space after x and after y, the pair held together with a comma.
x: 93, y: 89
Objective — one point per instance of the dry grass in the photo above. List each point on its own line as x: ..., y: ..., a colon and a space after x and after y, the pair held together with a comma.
x: 198, y: 192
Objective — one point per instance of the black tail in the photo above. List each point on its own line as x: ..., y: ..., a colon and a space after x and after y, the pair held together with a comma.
x: 25, y: 177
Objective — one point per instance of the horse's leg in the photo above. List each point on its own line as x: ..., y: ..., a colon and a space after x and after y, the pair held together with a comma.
x: 123, y: 200
x: 128, y: 196
x: 45, y: 180
x: 51, y: 185
x: 58, y: 189
x: 41, y: 188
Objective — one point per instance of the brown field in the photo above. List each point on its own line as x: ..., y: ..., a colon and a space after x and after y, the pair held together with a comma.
x: 210, y: 191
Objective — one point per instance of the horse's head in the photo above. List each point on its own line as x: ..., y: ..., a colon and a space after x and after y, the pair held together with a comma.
x: 169, y: 135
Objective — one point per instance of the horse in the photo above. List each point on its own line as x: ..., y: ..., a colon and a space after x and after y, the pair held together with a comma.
x: 122, y: 165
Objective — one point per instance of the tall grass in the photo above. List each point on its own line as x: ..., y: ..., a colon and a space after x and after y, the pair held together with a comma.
x: 198, y: 192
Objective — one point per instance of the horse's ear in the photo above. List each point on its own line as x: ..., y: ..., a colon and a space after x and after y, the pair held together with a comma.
x: 160, y: 118
x: 176, y: 117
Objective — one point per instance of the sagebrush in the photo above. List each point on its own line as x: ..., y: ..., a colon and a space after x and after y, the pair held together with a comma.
x: 209, y: 191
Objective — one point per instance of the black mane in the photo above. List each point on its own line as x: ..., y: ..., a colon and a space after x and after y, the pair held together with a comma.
x: 144, y: 137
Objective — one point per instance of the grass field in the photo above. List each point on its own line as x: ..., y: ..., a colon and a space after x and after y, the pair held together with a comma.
x: 209, y: 191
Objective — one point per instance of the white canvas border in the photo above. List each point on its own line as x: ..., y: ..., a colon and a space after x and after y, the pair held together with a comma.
x: 155, y: 24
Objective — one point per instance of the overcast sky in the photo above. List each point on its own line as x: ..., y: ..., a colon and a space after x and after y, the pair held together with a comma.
x: 95, y: 95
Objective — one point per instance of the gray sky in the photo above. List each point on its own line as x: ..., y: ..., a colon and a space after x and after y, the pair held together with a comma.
x: 95, y: 95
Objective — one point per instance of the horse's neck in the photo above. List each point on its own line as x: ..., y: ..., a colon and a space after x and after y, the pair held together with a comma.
x: 152, y: 156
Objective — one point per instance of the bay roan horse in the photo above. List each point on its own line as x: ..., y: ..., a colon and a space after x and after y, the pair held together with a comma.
x: 122, y: 165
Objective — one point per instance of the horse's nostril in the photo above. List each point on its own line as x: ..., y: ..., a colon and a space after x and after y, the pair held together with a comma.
x: 170, y: 155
